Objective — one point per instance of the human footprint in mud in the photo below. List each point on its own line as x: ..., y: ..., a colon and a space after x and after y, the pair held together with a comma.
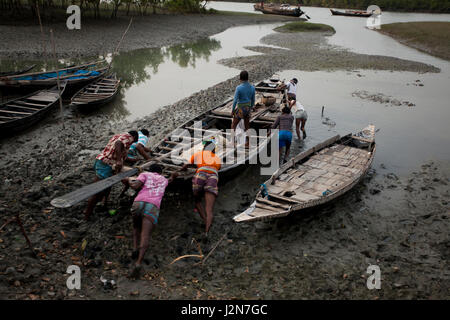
x: 205, y: 180
x: 109, y: 161
x: 145, y: 210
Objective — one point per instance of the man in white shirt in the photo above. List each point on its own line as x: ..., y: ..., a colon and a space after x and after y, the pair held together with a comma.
x: 291, y: 87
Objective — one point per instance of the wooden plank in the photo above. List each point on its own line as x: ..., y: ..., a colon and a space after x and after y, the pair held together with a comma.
x: 30, y: 104
x: 16, y: 112
x: 262, y: 206
x: 23, y: 107
x: 276, y: 196
x: 272, y: 203
x: 303, y: 197
x: 8, y: 118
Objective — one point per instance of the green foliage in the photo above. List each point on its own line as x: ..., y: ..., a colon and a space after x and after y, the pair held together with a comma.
x: 184, y: 5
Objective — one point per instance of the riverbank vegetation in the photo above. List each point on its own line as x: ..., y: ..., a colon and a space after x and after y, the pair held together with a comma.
x: 442, y: 6
x: 55, y: 10
x: 430, y: 37
x: 301, y: 26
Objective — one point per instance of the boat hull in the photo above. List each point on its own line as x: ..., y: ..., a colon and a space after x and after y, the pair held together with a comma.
x: 309, y: 179
x: 350, y: 14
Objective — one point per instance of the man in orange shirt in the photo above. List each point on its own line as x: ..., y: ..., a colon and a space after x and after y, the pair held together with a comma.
x: 205, y: 180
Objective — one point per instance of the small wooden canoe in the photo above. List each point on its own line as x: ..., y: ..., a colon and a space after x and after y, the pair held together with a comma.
x: 14, y: 73
x: 98, y: 92
x: 72, y: 76
x: 314, y: 177
x: 351, y: 13
x: 18, y: 114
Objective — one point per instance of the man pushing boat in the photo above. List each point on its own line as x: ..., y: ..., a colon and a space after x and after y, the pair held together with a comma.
x: 108, y: 162
x: 205, y: 180
x: 145, y: 210
x: 139, y: 147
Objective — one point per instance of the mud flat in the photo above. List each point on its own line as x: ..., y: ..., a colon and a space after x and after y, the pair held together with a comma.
x: 400, y: 223
x: 98, y: 37
x: 430, y: 37
x: 309, y: 51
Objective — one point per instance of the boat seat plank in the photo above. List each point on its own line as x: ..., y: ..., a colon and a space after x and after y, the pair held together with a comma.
x: 16, y: 112
x: 8, y: 118
x: 22, y: 107
x: 272, y: 203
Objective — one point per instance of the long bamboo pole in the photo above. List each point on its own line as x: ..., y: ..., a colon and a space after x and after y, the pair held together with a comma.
x: 57, y: 76
x: 42, y: 32
x: 118, y: 45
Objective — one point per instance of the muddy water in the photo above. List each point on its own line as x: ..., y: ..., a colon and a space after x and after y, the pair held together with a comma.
x: 152, y: 78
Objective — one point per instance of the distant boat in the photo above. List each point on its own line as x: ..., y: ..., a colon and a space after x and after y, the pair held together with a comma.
x: 98, y: 92
x: 279, y: 9
x: 21, y: 113
x: 72, y: 75
x: 13, y: 73
x: 351, y: 13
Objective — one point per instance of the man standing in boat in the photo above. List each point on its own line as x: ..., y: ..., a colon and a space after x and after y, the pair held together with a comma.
x: 244, y: 100
x: 109, y: 161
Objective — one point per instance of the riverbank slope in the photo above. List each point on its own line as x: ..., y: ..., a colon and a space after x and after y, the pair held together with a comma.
x: 431, y: 37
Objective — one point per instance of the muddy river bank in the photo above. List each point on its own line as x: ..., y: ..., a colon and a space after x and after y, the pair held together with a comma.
x: 397, y: 221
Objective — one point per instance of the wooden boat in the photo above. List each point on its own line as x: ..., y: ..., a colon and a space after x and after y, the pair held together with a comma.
x: 98, y: 92
x: 13, y: 73
x: 177, y: 147
x: 18, y: 114
x: 72, y: 75
x: 351, y: 13
x: 279, y: 9
x: 314, y: 177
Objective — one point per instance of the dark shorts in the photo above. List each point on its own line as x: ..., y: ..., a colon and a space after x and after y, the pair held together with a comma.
x: 204, y: 181
x: 285, y: 138
x: 141, y: 209
x: 102, y: 170
x: 291, y: 96
x: 242, y: 111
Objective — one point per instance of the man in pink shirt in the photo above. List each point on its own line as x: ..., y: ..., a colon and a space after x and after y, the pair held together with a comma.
x: 145, y: 210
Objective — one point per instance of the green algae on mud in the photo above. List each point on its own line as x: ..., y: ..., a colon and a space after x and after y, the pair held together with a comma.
x: 431, y: 37
x: 301, y: 26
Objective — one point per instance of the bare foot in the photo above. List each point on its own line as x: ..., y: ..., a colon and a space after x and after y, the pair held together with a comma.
x: 136, y: 271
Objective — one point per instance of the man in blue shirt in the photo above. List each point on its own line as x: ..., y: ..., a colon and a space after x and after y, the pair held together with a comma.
x: 244, y: 100
x: 139, y: 147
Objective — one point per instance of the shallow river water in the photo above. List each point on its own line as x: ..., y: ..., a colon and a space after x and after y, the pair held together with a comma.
x: 408, y: 136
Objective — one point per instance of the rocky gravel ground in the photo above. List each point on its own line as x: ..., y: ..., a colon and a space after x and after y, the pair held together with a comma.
x: 398, y: 223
